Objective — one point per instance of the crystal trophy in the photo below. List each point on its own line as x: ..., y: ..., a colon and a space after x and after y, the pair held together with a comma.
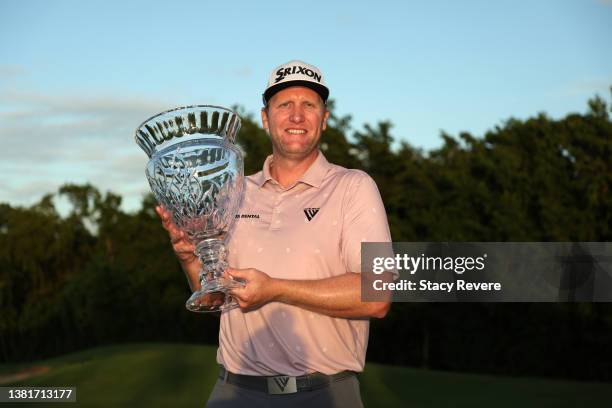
x: 196, y: 172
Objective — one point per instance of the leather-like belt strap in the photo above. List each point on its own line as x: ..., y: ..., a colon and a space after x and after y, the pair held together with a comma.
x: 282, y: 384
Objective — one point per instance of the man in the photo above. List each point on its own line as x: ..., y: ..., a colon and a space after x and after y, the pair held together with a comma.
x: 301, y: 331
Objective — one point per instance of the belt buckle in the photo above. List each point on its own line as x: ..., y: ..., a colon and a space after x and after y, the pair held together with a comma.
x: 282, y: 384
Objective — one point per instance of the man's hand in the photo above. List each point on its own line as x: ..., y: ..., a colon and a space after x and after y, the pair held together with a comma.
x: 336, y: 296
x: 182, y: 247
x: 258, y: 288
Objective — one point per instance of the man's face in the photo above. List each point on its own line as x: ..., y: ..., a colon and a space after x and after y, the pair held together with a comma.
x: 295, y: 118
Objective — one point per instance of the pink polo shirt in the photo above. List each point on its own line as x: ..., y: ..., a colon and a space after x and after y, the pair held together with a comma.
x: 310, y: 230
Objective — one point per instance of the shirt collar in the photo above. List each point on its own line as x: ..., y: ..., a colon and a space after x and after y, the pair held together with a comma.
x: 313, y: 176
x: 265, y: 174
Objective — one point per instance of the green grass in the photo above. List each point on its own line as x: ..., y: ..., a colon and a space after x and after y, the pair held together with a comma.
x: 171, y: 375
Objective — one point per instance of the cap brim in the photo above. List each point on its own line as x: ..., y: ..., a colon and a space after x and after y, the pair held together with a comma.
x: 318, y: 88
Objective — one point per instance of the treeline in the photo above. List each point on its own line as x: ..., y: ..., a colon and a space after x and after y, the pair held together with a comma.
x: 101, y: 275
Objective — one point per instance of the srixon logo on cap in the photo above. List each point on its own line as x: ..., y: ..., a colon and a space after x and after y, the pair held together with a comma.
x: 296, y: 69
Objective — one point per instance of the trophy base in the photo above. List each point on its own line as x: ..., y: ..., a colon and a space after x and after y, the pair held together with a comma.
x: 213, y: 297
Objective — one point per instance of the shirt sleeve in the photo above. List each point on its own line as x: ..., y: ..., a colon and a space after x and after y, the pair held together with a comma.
x: 364, y: 219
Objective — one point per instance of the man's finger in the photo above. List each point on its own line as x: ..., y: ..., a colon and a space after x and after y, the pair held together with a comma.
x: 166, y: 224
x: 238, y: 273
x: 167, y: 221
x: 181, y: 243
x: 238, y: 288
x: 176, y: 235
x: 238, y: 293
x: 173, y: 230
x: 163, y: 214
x: 184, y: 247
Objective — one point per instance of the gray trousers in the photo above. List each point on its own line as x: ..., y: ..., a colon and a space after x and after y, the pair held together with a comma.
x: 339, y: 394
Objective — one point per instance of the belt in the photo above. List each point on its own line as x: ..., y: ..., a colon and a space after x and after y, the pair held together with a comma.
x: 282, y: 384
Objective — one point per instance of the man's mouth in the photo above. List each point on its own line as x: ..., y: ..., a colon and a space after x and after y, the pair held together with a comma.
x: 296, y: 131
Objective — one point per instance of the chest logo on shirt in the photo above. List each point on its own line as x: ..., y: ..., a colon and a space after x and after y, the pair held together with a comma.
x: 247, y: 216
x: 311, y: 212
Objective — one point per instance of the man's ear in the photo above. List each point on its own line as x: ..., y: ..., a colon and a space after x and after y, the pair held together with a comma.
x: 325, y: 117
x: 264, y: 120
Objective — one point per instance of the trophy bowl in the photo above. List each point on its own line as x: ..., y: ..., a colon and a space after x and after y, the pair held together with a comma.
x: 196, y: 172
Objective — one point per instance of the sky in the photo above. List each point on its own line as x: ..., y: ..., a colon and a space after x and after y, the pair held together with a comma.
x: 77, y: 77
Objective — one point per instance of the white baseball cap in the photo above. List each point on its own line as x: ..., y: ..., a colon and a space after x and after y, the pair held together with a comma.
x: 295, y: 73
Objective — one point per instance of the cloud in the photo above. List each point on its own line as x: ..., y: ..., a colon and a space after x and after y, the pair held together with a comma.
x: 51, y: 105
x: 10, y: 71
x: 49, y: 139
x: 243, y: 72
x: 344, y: 19
x: 605, y: 2
x: 237, y: 72
x: 27, y: 192
x: 589, y: 87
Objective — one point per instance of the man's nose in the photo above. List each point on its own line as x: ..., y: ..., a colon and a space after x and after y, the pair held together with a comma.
x: 297, y: 114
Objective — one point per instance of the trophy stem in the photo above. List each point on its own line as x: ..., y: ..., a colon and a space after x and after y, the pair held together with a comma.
x: 213, y: 295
